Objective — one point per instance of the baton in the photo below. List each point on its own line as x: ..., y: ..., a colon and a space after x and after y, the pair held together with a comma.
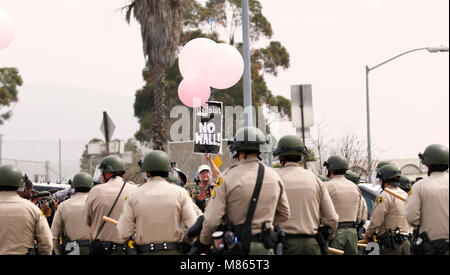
x: 395, y: 195
x: 335, y: 251
x: 111, y: 221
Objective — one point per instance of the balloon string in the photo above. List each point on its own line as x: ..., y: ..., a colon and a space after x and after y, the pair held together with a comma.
x: 212, y: 19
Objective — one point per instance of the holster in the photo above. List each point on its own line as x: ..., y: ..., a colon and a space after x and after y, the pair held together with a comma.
x: 323, y: 233
x: 96, y: 248
x: 63, y: 240
x: 422, y: 246
x: 360, y: 230
x: 387, y: 240
x: 267, y: 236
x: 440, y: 246
x: 31, y: 251
x: 237, y: 248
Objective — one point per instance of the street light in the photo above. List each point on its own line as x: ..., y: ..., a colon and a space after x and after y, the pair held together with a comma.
x: 368, y: 70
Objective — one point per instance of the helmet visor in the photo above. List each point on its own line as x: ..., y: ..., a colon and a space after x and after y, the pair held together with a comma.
x: 97, y: 179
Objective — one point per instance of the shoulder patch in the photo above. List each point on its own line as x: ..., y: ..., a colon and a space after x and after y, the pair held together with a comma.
x: 41, y: 213
x: 410, y: 193
x: 219, y: 181
x: 379, y: 200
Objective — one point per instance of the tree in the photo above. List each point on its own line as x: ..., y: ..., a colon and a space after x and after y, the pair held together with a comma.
x: 10, y: 79
x: 349, y: 146
x: 195, y: 21
x: 161, y: 25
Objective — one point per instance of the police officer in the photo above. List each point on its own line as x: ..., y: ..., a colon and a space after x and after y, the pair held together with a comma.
x: 427, y: 204
x: 374, y: 178
x: 68, y: 223
x: 405, y: 183
x: 353, y: 177
x: 347, y: 201
x: 26, y: 191
x: 388, y: 222
x: 308, y: 197
x: 158, y: 212
x: 21, y: 222
x: 100, y: 202
x: 356, y: 179
x: 232, y: 198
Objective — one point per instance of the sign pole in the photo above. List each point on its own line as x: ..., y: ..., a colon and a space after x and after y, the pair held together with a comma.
x: 303, y: 123
x: 105, y: 124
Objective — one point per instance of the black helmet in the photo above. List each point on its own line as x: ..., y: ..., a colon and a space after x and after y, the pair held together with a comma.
x: 290, y: 146
x: 405, y: 184
x: 247, y: 139
x: 336, y: 163
x: 82, y: 180
x: 389, y: 172
x: 435, y: 154
x: 383, y: 163
x: 156, y: 161
x: 353, y: 177
x: 11, y: 176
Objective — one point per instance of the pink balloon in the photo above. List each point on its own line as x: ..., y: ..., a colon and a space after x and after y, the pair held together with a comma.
x: 224, y: 66
x: 193, y: 55
x: 6, y: 29
x: 194, y: 91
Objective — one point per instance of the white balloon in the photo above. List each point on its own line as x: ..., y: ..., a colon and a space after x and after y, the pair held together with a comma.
x: 193, y: 55
x: 224, y: 66
x: 6, y: 29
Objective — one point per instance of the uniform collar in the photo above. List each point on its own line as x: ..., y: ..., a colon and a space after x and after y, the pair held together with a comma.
x: 9, y: 194
x: 338, y: 177
x: 438, y: 174
x: 156, y: 179
x: 248, y: 160
x: 392, y: 187
x: 116, y: 180
x: 291, y: 164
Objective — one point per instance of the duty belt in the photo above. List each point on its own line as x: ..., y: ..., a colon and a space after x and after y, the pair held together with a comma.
x: 299, y: 236
x: 113, y: 246
x: 154, y: 247
x: 82, y: 242
x: 347, y: 224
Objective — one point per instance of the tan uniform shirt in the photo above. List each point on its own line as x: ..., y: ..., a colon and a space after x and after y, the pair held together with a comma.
x: 232, y: 199
x: 388, y: 213
x: 21, y: 222
x: 69, y: 220
x: 308, y: 201
x: 346, y: 198
x: 364, y: 212
x: 158, y: 212
x: 98, y: 204
x: 427, y: 205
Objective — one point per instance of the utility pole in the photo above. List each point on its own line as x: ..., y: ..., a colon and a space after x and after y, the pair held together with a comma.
x: 248, y: 114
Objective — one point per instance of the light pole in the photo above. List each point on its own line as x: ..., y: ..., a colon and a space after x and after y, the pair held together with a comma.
x: 248, y: 114
x: 368, y: 70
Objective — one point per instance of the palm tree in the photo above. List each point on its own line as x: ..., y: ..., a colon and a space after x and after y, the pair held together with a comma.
x: 161, y: 26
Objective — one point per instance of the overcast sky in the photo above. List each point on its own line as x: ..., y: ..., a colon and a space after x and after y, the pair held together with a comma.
x: 88, y: 44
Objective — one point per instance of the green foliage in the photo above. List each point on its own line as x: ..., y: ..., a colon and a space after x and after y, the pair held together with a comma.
x: 10, y: 79
x: 266, y: 60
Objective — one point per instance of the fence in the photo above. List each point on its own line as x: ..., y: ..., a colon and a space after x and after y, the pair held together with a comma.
x: 41, y: 160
